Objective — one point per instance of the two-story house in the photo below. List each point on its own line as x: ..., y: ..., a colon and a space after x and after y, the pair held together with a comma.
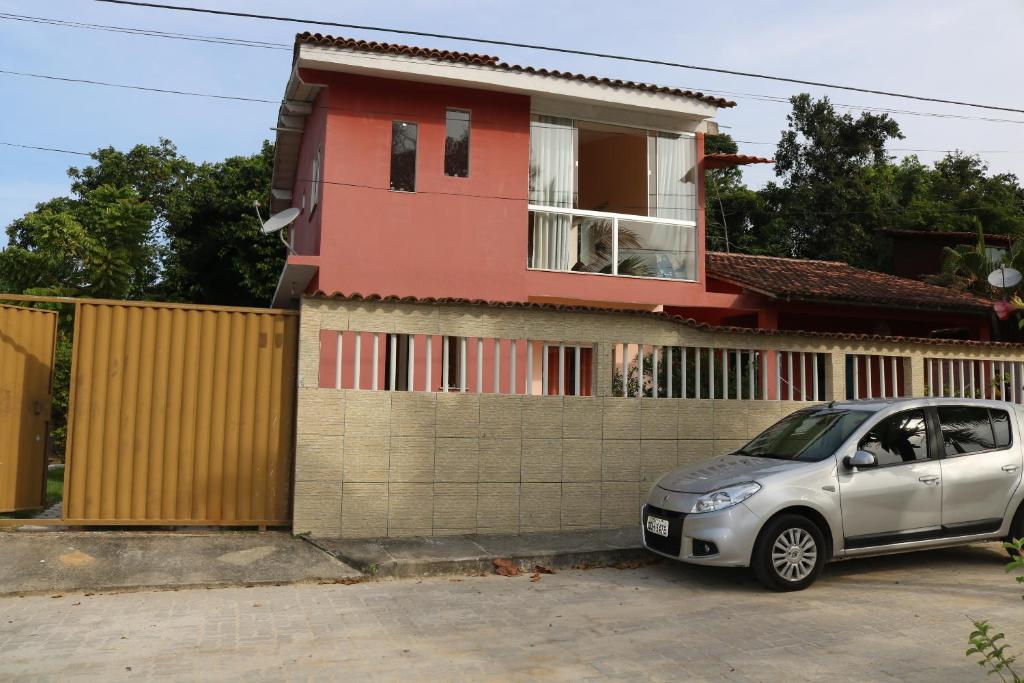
x: 436, y: 174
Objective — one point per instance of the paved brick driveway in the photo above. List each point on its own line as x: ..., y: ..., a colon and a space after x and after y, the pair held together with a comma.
x: 891, y: 619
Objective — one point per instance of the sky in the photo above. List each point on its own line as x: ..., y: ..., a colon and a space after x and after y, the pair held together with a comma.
x: 953, y: 50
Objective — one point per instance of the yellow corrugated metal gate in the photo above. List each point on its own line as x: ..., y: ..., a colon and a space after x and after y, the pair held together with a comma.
x: 27, y: 338
x: 180, y: 415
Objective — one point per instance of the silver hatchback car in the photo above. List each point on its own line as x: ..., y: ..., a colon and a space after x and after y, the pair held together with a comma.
x: 842, y: 480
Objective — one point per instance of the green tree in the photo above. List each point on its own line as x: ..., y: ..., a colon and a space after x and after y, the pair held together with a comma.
x: 733, y: 212
x: 101, y: 245
x: 216, y: 252
x: 156, y: 172
x: 824, y: 206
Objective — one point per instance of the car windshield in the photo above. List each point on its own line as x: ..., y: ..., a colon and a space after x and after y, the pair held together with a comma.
x: 808, y: 435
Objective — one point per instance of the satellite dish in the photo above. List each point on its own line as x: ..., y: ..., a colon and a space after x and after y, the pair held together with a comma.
x: 1004, y: 278
x: 277, y: 222
x: 280, y: 220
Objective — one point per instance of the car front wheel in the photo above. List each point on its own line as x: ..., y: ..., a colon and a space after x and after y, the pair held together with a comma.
x: 789, y: 554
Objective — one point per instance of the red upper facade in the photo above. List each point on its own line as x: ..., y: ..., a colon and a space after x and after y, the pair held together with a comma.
x: 426, y: 173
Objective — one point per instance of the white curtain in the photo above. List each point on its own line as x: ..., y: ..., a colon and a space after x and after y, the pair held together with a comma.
x: 675, y: 198
x: 552, y: 183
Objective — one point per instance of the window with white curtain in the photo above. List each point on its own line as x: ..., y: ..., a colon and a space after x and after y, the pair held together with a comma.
x: 595, y: 177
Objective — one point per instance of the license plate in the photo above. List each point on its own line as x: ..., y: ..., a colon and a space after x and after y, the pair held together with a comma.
x: 658, y: 526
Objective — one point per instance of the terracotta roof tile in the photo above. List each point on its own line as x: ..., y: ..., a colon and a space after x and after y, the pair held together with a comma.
x: 834, y: 281
x: 471, y: 58
x: 688, y: 322
x: 724, y: 160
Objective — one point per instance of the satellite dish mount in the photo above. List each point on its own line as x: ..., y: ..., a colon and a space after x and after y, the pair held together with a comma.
x: 1004, y: 278
x: 277, y: 223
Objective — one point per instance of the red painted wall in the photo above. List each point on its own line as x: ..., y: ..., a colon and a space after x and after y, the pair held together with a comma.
x: 453, y: 237
x: 307, y: 227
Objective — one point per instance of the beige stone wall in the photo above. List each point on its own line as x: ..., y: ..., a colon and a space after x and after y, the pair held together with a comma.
x: 398, y: 464
x: 377, y: 463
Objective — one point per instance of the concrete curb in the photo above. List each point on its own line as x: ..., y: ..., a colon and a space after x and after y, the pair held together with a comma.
x: 382, y: 565
x: 163, y: 587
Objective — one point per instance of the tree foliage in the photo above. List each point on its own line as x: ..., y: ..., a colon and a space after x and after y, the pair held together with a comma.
x: 837, y: 189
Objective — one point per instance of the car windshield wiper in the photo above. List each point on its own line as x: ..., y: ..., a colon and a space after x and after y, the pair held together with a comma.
x: 770, y: 456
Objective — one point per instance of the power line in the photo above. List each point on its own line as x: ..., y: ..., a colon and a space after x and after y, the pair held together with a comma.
x: 905, y: 149
x: 241, y: 42
x: 419, y: 117
x: 45, y: 149
x: 957, y: 210
x: 136, y: 87
x: 548, y: 48
x: 153, y: 33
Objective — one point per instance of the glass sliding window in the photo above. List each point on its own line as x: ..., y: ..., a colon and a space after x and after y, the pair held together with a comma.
x: 673, y: 175
x: 456, y: 143
x: 611, y: 199
x: 552, y: 183
x: 656, y: 250
x: 403, y: 156
x: 564, y: 242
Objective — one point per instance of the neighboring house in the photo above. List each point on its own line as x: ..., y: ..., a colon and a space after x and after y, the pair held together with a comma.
x: 437, y: 174
x: 920, y: 253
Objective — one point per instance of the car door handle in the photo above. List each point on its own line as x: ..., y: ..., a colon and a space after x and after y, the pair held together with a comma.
x: 1011, y: 468
x: 930, y: 479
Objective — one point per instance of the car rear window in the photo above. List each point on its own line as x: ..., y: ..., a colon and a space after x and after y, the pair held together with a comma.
x: 970, y: 429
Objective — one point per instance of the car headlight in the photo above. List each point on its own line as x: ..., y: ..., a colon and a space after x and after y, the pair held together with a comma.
x: 725, y: 497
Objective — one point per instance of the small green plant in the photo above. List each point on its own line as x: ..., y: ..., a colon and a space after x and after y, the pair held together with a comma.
x: 992, y: 648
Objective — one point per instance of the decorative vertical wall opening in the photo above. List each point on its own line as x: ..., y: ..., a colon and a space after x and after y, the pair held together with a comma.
x: 403, y: 156
x: 456, y: 143
x: 647, y: 371
x: 379, y: 361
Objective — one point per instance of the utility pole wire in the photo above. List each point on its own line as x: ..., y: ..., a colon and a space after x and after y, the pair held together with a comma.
x: 561, y: 50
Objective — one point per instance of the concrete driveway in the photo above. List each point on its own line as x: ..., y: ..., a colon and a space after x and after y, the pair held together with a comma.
x: 902, y: 618
x: 101, y: 561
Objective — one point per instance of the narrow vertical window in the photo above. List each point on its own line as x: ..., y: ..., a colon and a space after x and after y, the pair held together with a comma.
x: 403, y: 156
x: 314, y: 179
x: 456, y: 143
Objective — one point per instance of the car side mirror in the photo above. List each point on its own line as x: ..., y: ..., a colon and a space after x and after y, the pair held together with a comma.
x: 859, y: 459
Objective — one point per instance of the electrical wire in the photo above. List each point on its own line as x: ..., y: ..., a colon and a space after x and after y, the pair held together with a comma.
x: 136, y: 87
x: 560, y: 50
x: 45, y: 149
x: 240, y: 42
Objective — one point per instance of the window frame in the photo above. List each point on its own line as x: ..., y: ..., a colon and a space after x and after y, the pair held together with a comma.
x: 650, y: 130
x: 315, y: 180
x: 940, y: 442
x: 469, y: 144
x: 415, y: 156
x: 933, y: 455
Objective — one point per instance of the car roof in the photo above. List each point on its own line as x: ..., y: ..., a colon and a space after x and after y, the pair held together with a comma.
x: 877, y: 404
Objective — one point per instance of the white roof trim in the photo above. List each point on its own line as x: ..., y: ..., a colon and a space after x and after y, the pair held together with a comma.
x: 401, y: 67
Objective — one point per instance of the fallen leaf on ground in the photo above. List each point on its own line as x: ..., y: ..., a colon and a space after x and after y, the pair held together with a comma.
x: 541, y: 569
x: 535, y: 578
x: 505, y: 567
x: 58, y: 595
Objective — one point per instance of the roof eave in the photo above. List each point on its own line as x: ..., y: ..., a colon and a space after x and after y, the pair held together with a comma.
x: 487, y: 77
x: 291, y: 123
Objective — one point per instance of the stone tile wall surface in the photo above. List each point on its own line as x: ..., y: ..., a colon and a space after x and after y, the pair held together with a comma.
x: 395, y: 463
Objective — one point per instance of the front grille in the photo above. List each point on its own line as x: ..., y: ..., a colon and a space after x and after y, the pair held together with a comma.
x: 671, y: 545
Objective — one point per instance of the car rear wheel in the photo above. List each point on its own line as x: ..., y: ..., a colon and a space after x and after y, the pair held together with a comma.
x: 789, y: 554
x: 1016, y: 530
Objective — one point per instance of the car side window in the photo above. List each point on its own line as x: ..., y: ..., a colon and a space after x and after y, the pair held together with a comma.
x: 897, y: 439
x: 969, y: 429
